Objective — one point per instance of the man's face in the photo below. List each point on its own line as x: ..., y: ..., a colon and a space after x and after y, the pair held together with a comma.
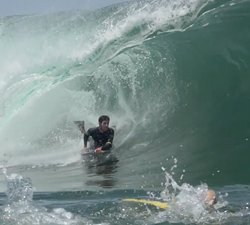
x: 104, y: 125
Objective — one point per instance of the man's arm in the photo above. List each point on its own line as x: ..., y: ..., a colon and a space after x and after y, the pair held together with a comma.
x: 86, y: 137
x: 109, y: 143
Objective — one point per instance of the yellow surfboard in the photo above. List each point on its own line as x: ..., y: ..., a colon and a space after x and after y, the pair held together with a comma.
x: 161, y: 205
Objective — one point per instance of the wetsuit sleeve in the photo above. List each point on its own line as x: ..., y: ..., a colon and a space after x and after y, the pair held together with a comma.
x: 86, y: 136
x: 109, y: 143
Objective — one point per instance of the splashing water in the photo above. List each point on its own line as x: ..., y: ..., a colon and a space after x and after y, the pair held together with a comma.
x: 186, y: 204
x: 21, y: 209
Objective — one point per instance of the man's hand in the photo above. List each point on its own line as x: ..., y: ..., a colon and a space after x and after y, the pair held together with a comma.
x: 98, y: 150
x: 83, y: 150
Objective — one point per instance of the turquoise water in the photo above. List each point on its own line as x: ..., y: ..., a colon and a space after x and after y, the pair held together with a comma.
x: 174, y: 78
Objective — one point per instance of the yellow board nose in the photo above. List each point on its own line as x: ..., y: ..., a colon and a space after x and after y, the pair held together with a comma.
x: 161, y: 205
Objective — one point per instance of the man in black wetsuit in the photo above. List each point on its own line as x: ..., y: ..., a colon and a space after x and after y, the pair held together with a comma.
x: 102, y: 135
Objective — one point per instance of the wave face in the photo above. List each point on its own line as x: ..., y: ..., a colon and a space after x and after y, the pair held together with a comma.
x: 172, y: 75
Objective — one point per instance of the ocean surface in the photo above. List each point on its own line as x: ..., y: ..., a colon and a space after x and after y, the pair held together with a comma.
x: 173, y: 76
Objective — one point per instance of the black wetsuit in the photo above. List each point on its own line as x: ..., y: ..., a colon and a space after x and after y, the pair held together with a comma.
x: 101, y: 139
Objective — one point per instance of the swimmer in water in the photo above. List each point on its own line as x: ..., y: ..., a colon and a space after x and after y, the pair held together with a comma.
x: 210, y: 198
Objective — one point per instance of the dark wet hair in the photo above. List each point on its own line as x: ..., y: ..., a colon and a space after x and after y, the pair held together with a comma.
x: 103, y: 118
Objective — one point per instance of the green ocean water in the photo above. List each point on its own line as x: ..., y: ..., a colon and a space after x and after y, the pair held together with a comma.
x: 174, y: 78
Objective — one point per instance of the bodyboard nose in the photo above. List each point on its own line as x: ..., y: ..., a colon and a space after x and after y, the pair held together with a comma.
x: 158, y: 204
